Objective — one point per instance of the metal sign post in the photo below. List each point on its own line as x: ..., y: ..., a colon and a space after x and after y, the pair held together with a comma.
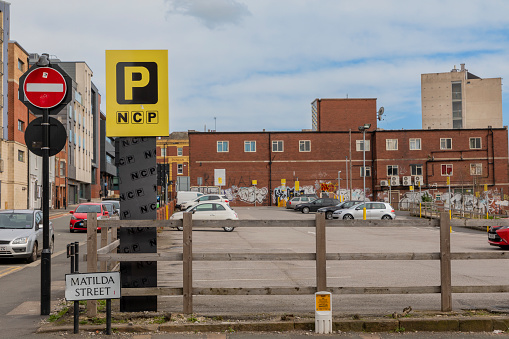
x: 44, y: 89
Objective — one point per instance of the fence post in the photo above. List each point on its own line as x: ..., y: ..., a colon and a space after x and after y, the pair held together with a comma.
x: 445, y: 262
x: 103, y: 265
x: 114, y: 237
x: 321, y: 253
x: 187, y: 262
x: 91, y: 256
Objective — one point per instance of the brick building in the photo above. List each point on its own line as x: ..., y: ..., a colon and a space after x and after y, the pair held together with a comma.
x: 173, y: 159
x: 288, y: 163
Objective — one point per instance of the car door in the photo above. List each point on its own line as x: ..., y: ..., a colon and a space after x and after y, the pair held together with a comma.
x: 315, y: 205
x: 219, y: 213
x: 358, y: 212
x: 38, y: 228
x: 203, y: 212
x: 377, y: 210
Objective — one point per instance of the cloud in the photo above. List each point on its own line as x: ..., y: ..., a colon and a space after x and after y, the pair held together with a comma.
x: 212, y: 13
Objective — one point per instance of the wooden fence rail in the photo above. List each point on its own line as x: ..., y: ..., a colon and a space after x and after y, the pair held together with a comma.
x: 320, y: 257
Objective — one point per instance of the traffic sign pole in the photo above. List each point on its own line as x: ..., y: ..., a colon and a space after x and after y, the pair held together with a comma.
x: 46, y: 251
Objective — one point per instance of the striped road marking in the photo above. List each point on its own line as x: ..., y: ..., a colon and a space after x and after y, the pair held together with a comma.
x: 8, y: 270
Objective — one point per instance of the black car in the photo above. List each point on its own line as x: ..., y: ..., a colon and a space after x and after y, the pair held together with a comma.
x: 330, y: 209
x: 314, y: 205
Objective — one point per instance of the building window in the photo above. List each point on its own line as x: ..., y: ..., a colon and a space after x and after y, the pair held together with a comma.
x: 415, y: 169
x: 21, y: 126
x: 415, y: 144
x: 391, y: 144
x: 447, y: 169
x: 163, y: 152
x: 359, y: 144
x: 304, y: 145
x: 475, y: 169
x: 179, y: 151
x: 368, y: 171
x: 21, y: 65
x: 277, y: 145
x: 475, y: 143
x: 392, y: 170
x: 249, y: 146
x: 445, y: 143
x: 21, y: 156
x: 180, y: 169
x: 222, y: 146
x: 457, y: 117
x: 62, y: 168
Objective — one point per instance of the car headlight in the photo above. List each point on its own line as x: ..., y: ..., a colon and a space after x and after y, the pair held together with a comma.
x: 22, y: 240
x: 73, y: 217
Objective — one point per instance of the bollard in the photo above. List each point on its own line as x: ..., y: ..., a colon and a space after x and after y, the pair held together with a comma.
x: 323, y: 312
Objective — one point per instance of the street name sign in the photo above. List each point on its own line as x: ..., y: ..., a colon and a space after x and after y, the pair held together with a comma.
x: 92, y: 286
x: 137, y: 93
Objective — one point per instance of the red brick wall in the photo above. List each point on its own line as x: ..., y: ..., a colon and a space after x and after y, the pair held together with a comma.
x: 345, y: 114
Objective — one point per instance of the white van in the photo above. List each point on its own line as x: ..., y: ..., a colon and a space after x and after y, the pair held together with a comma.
x: 184, y: 196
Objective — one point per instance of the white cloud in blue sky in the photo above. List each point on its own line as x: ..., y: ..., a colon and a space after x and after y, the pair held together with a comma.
x: 258, y: 64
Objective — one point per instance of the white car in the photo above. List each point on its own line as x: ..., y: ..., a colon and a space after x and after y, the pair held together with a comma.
x: 21, y: 234
x: 374, y: 210
x: 209, y: 211
x: 208, y: 197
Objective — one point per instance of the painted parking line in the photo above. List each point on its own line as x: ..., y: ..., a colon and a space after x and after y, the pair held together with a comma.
x: 8, y: 270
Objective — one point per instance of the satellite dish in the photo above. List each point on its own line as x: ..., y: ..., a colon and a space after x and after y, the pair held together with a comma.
x: 380, y: 113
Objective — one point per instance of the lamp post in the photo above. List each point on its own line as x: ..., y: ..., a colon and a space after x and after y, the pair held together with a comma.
x: 339, y: 186
x: 363, y: 129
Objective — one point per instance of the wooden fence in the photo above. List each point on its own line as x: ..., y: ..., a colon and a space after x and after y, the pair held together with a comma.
x: 320, y: 256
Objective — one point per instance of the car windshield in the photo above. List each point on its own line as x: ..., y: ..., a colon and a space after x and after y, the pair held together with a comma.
x: 16, y: 220
x: 109, y: 207
x: 88, y: 209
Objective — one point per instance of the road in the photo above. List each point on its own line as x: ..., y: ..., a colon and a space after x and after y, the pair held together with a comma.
x: 20, y: 293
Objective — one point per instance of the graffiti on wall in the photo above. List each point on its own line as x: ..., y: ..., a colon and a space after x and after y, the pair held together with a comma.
x: 285, y: 193
x: 251, y: 194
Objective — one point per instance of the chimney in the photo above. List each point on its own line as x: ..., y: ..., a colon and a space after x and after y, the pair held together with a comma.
x: 462, y: 67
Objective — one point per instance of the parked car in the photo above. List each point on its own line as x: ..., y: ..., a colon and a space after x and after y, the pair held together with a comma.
x: 499, y: 236
x: 314, y: 205
x: 80, y: 213
x: 116, y: 205
x: 183, y: 196
x: 21, y: 234
x: 329, y: 210
x: 207, y: 197
x: 374, y: 210
x: 209, y: 211
x: 293, y: 202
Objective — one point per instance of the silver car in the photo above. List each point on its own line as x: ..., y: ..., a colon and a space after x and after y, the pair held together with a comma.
x: 374, y: 210
x: 21, y: 234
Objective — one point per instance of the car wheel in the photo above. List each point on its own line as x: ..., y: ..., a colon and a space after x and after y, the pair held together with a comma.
x: 180, y: 228
x: 33, y: 256
x: 305, y: 210
x: 348, y: 217
x: 228, y: 229
x: 328, y: 215
x: 386, y: 217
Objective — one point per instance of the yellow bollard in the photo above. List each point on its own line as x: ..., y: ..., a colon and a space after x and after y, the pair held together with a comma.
x: 364, y: 213
x: 167, y: 212
x: 420, y: 210
x: 450, y: 215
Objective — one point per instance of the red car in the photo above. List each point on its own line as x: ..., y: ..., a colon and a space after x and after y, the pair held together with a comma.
x: 80, y: 213
x: 499, y: 236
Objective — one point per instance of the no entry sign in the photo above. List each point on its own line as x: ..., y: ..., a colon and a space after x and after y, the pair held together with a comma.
x: 44, y: 87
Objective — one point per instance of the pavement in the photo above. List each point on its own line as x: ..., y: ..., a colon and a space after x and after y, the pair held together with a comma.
x: 156, y: 324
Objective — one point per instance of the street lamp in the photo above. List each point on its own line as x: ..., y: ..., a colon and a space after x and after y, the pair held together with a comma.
x: 363, y: 129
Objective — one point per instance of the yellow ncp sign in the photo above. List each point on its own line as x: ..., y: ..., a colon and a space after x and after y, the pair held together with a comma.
x: 137, y: 93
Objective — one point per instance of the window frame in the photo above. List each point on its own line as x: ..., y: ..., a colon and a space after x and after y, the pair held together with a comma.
x: 477, y: 166
x: 304, y: 143
x: 223, y: 143
x: 414, y: 171
x: 391, y: 142
x: 249, y: 146
x: 21, y: 125
x: 442, y: 146
x: 450, y: 174
x: 21, y: 156
x: 414, y: 148
x: 475, y: 139
x: 360, y: 142
x: 276, y: 143
x: 368, y: 171
x: 180, y: 169
x: 180, y: 151
x: 392, y: 167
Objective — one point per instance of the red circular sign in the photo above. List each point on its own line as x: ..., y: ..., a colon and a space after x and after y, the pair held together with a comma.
x: 44, y: 87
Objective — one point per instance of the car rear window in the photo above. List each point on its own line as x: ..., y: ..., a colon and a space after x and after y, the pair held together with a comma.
x: 88, y: 209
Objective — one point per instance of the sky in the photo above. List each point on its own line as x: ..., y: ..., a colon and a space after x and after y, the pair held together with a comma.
x: 249, y: 65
